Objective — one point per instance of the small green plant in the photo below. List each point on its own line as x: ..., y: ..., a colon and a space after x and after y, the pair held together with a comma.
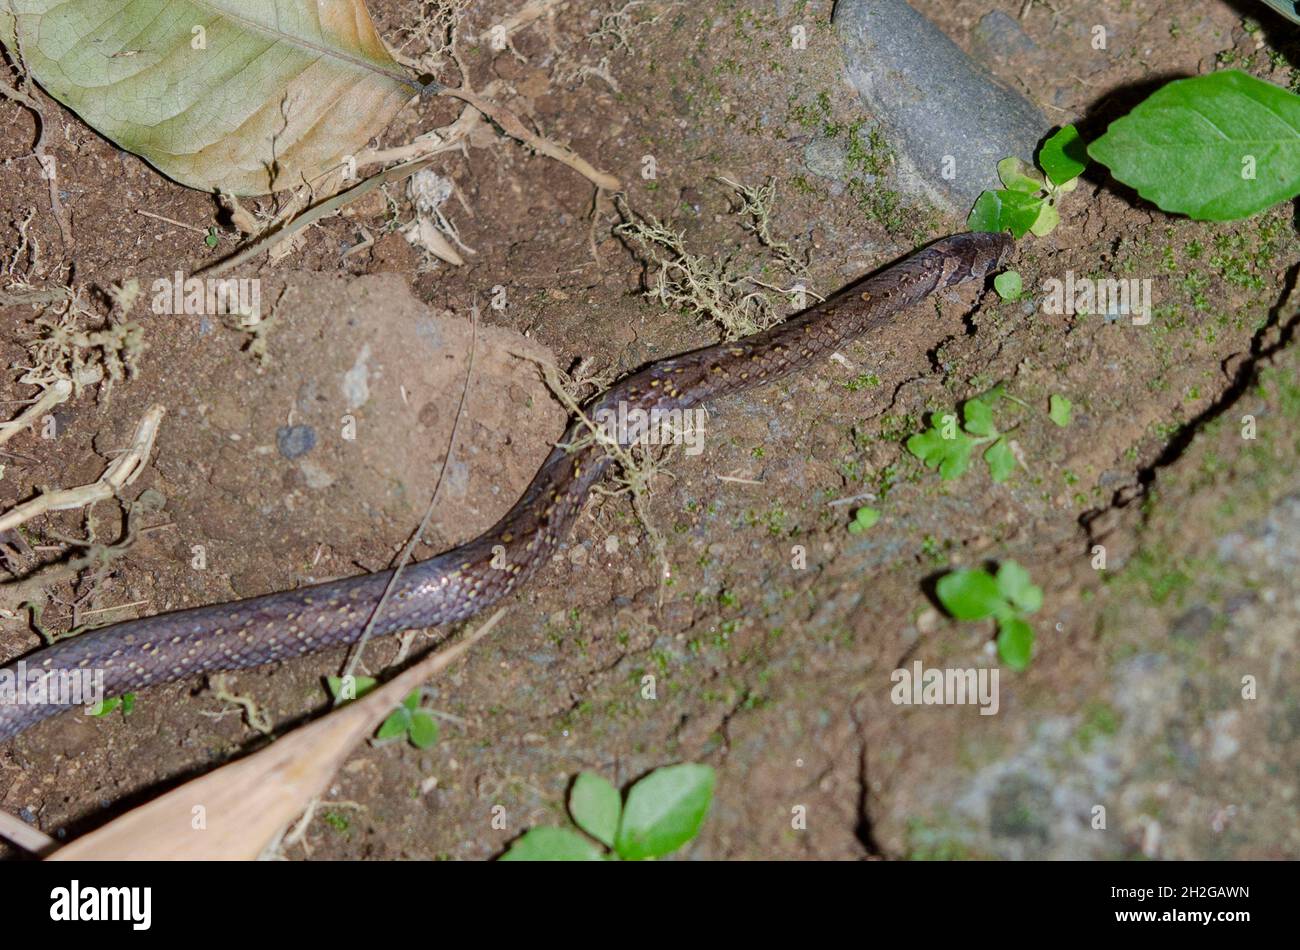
x: 1215, y: 148
x: 1059, y: 410
x: 1008, y: 285
x: 125, y: 702
x: 1027, y: 202
x: 1008, y: 598
x: 863, y: 519
x: 411, y: 721
x: 663, y: 811
x: 948, y: 446
x: 408, y: 719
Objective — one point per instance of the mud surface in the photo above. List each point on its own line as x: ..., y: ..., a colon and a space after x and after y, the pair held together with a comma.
x: 1163, y: 688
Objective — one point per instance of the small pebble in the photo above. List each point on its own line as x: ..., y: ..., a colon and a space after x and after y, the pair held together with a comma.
x: 295, y: 441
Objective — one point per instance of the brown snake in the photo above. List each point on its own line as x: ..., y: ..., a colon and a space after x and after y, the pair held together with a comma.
x: 461, y: 582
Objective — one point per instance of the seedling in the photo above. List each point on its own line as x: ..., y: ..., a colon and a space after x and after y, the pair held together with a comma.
x: 663, y: 811
x: 1008, y: 285
x: 125, y: 702
x: 1008, y: 598
x: 863, y: 519
x: 1028, y: 201
x: 408, y: 720
x: 949, y: 447
x: 1059, y: 409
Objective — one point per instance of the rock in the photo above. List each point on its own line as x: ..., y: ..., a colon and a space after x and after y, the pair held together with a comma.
x: 293, y: 441
x: 370, y: 379
x: 942, y: 108
x: 998, y: 36
x: 825, y: 158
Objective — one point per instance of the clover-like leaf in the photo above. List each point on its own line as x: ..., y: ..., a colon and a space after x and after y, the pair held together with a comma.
x: 1059, y: 410
x: 977, y: 415
x: 1008, y: 285
x: 970, y: 594
x: 397, y: 723
x: 423, y: 729
x: 345, y: 689
x: 1005, y: 210
x: 1063, y: 156
x: 1047, y: 220
x: 553, y: 844
x: 595, y: 806
x: 1015, y: 585
x: 1001, y: 460
x: 664, y: 811
x: 950, y: 456
x: 1015, y: 642
x: 1019, y: 175
x: 863, y: 519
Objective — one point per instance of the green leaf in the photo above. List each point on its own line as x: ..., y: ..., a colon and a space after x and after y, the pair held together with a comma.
x: 1005, y: 210
x: 1059, y: 409
x: 1015, y: 643
x: 1016, y: 586
x: 977, y: 415
x: 595, y: 807
x: 412, y: 700
x: 360, y: 686
x: 1047, y: 220
x: 863, y: 519
x: 1008, y: 285
x: 1001, y: 460
x: 1188, y: 146
x: 423, y: 730
x: 128, y: 703
x: 553, y: 844
x: 664, y: 811
x: 969, y: 594
x: 242, y: 96
x: 398, y: 721
x: 1019, y: 175
x: 950, y: 456
x: 1063, y: 156
x: 105, y: 706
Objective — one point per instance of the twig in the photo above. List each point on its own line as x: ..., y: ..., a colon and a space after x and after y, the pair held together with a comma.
x: 418, y: 536
x: 179, y: 224
x: 312, y: 215
x: 24, y: 835
x: 57, y: 392
x: 514, y: 127
x: 124, y: 470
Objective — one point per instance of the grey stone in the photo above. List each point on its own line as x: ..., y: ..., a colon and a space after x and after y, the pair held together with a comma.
x: 295, y: 441
x: 1000, y: 37
x: 935, y: 100
x: 825, y: 158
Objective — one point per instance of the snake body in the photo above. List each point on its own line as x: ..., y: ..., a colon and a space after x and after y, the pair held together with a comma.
x: 463, y: 581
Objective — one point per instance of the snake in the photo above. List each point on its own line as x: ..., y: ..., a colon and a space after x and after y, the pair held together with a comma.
x: 459, y: 583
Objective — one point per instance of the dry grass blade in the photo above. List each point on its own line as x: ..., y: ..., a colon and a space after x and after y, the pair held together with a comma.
x: 232, y: 814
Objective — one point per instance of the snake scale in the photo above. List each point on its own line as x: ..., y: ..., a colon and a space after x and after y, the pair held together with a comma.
x: 463, y: 581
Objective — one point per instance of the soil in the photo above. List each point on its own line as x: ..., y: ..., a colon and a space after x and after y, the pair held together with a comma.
x: 1178, y: 465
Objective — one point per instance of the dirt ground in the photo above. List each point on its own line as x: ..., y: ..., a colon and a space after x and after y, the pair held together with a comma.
x: 777, y: 676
